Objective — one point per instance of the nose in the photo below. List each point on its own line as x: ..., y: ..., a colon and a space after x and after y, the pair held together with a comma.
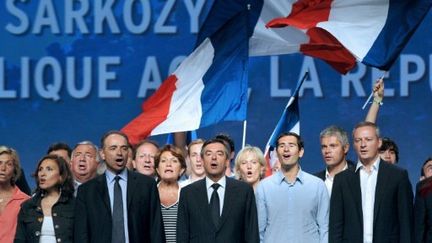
x: 362, y: 143
x: 248, y: 165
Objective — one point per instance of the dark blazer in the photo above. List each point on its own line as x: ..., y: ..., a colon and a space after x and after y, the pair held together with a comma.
x: 393, y: 208
x: 30, y: 219
x: 322, y: 174
x: 423, y: 212
x: 239, y: 222
x: 93, y: 222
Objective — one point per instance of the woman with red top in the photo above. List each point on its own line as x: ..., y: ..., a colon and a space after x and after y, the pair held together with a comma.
x: 10, y: 196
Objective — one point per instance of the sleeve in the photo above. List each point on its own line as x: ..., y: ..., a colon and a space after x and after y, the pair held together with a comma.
x: 262, y: 211
x: 405, y: 208
x: 156, y: 222
x: 20, y: 236
x: 336, y: 221
x: 81, y: 234
x: 251, y: 218
x: 323, y: 212
x: 419, y: 217
x: 182, y: 219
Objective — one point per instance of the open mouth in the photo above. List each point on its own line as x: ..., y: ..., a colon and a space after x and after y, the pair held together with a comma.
x: 214, y: 165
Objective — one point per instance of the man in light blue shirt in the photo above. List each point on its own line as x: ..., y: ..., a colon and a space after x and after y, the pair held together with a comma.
x: 293, y: 206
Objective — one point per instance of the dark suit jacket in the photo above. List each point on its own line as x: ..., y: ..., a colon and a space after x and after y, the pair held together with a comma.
x: 393, y: 206
x: 322, y: 174
x: 93, y: 222
x: 239, y: 222
x: 423, y: 212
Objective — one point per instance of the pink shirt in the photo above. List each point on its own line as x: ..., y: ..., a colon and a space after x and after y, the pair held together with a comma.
x: 9, y: 216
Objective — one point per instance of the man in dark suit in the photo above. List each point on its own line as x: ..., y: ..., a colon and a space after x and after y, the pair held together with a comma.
x: 217, y: 208
x: 119, y: 206
x: 334, y: 148
x: 374, y: 202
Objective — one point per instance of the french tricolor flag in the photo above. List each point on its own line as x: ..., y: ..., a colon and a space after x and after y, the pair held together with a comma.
x: 210, y: 85
x: 341, y: 32
x: 288, y: 122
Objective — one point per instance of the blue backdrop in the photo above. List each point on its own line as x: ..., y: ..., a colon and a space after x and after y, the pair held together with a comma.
x: 71, y: 72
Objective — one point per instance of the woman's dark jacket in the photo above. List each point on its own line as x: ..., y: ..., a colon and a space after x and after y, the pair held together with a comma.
x: 30, y: 220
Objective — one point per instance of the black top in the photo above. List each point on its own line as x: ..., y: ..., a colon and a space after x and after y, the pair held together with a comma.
x: 30, y: 219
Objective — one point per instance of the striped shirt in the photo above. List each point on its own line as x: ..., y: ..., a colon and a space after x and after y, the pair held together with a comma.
x: 169, y: 216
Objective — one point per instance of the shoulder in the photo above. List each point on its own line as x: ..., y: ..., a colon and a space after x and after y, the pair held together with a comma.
x: 141, y: 178
x: 193, y: 186
x: 395, y: 170
x: 320, y: 174
x: 240, y: 185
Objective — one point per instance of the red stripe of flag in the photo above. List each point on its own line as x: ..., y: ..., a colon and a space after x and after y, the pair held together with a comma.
x: 155, y: 111
x: 305, y: 14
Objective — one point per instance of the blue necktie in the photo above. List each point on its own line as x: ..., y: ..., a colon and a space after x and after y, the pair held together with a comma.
x: 118, y: 232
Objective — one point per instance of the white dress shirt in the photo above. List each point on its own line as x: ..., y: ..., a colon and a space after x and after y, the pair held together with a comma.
x: 220, y: 191
x: 329, y: 179
x: 368, y: 181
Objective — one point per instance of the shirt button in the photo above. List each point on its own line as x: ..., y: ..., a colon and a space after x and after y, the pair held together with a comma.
x: 55, y: 214
x: 56, y: 226
x: 58, y: 240
x: 37, y: 233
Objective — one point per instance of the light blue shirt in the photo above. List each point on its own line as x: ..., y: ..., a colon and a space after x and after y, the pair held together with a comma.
x: 293, y: 212
x: 123, y: 185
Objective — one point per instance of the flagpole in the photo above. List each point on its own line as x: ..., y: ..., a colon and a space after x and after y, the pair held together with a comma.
x: 371, y: 95
x: 244, y: 133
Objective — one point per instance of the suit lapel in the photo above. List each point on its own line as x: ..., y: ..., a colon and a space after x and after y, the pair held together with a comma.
x: 380, y: 186
x: 103, y: 191
x: 202, y: 201
x: 357, y: 194
x: 131, y: 183
x: 228, y: 201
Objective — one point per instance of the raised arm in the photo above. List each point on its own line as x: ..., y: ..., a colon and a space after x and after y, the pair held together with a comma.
x: 378, y: 95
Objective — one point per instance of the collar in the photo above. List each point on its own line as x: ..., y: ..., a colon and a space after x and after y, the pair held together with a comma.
x: 327, y: 174
x: 18, y: 194
x: 221, y: 182
x: 110, y: 176
x: 375, y: 165
x: 280, y: 177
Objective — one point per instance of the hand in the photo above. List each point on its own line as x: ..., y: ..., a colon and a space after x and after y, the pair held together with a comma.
x: 378, y: 90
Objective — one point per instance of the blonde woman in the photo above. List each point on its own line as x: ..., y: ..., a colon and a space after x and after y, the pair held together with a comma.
x: 11, y: 197
x: 250, y: 165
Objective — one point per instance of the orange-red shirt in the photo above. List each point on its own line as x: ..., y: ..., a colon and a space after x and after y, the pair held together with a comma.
x: 9, y: 216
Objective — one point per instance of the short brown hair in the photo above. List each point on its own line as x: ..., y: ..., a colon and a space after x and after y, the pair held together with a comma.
x: 176, y: 152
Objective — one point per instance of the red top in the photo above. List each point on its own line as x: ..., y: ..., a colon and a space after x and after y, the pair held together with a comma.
x: 9, y: 216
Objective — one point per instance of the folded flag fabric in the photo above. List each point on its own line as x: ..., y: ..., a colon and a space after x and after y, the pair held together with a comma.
x: 210, y: 85
x: 339, y: 32
x: 289, y: 122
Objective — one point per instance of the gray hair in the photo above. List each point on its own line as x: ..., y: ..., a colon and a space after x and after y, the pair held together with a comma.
x: 336, y: 131
x: 86, y: 142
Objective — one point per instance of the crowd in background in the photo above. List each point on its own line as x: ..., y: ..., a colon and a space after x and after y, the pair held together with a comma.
x: 204, y: 192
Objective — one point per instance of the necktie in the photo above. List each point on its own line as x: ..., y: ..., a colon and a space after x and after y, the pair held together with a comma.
x: 118, y: 233
x: 215, y: 204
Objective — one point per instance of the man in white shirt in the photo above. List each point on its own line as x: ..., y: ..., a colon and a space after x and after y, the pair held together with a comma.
x: 372, y: 204
x: 334, y: 148
x: 217, y: 208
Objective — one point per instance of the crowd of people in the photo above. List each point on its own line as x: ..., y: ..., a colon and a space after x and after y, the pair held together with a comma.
x: 149, y: 193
